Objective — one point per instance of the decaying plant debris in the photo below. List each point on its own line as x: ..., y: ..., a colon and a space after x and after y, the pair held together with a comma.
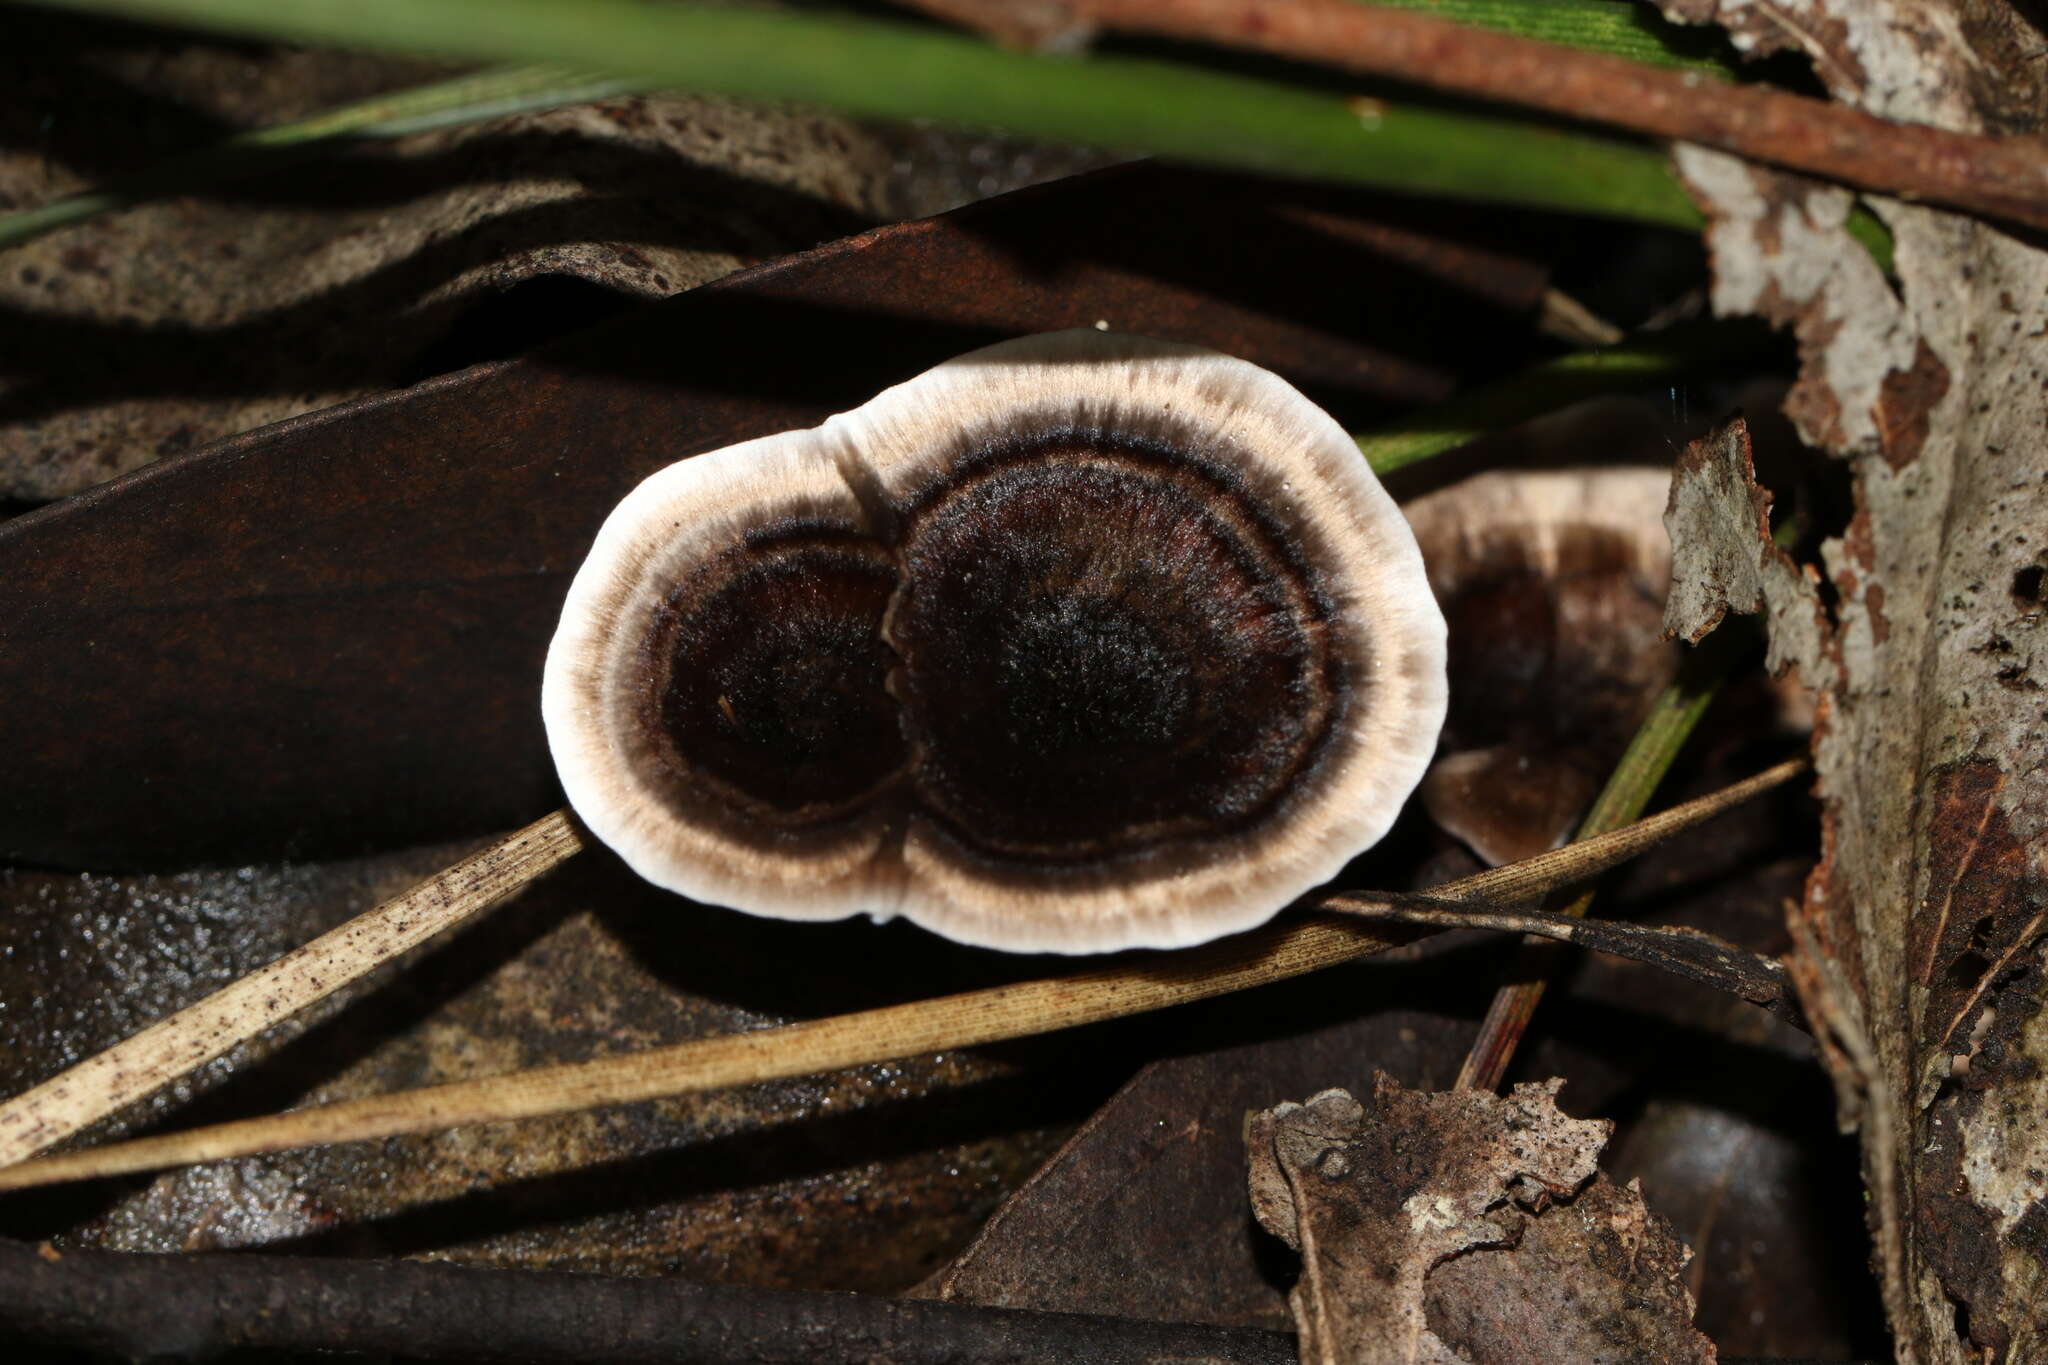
x: 1918, y: 939
x: 1463, y: 1225
x: 1123, y: 1219
x: 390, y: 262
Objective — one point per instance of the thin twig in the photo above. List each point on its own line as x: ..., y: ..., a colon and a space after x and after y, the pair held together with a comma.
x: 1688, y: 953
x: 2005, y: 177
x: 185, y: 1041
x: 1031, y: 25
x: 134, y: 1305
x: 1291, y: 948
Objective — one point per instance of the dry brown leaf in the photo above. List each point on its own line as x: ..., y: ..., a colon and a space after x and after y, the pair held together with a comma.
x: 1383, y: 1199
x: 1918, y: 946
x: 1598, y: 1281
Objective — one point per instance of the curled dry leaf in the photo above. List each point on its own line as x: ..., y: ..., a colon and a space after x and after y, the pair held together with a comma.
x: 1918, y: 946
x: 1383, y: 1198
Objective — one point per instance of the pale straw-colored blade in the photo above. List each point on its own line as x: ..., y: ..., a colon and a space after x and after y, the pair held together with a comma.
x: 183, y: 1042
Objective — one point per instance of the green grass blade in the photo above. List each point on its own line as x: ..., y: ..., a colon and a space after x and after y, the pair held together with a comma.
x: 902, y: 71
x: 464, y: 99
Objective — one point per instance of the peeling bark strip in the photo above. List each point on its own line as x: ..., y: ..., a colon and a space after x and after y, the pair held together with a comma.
x: 1918, y: 951
x: 1777, y: 243
x: 2003, y: 177
x: 1723, y: 557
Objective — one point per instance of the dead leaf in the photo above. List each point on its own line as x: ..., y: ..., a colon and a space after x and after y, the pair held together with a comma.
x: 1917, y: 948
x: 375, y: 267
x: 1598, y: 1280
x: 1377, y: 1196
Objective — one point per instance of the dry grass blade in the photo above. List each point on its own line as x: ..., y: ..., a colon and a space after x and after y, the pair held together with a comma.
x: 1292, y: 948
x: 183, y: 1042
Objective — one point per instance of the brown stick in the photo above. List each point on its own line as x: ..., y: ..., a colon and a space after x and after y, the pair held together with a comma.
x: 2002, y: 177
x: 183, y: 1042
x: 1275, y: 953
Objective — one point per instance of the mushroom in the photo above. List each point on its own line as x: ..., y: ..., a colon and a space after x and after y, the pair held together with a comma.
x: 1554, y: 583
x: 1075, y: 643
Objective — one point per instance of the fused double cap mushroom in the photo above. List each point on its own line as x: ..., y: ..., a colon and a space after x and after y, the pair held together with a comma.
x: 1075, y: 643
